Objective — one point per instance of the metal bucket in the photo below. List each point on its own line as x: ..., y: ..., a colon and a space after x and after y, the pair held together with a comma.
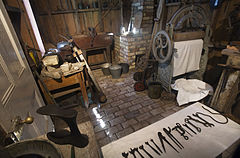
x: 116, y: 71
x: 105, y: 69
x: 154, y: 90
x: 125, y: 67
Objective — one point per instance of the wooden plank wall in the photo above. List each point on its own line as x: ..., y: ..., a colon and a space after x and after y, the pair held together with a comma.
x: 64, y: 17
x: 26, y: 30
x: 71, y: 17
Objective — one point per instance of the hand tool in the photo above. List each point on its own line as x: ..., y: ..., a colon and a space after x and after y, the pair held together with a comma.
x: 162, y: 138
x: 125, y: 155
x: 213, y: 114
x: 156, y: 145
x: 141, y: 147
x: 189, y: 122
x: 186, y: 125
x: 136, y: 149
x: 205, y: 122
x: 152, y: 148
x: 168, y: 132
x: 180, y: 130
x: 132, y: 151
x: 178, y: 124
x: 198, y: 121
x: 186, y: 131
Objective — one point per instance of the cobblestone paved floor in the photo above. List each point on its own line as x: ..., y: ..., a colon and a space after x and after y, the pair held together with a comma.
x: 126, y: 111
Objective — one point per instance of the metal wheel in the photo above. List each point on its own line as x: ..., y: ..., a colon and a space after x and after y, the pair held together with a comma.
x: 162, y: 47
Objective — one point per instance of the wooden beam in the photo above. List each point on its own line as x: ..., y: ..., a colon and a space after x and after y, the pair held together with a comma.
x: 100, y: 16
x: 69, y: 11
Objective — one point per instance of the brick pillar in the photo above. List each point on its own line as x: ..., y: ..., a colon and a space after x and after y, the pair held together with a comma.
x: 130, y: 45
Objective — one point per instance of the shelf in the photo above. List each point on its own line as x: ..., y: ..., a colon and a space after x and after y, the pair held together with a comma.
x: 75, y: 11
x: 181, y: 3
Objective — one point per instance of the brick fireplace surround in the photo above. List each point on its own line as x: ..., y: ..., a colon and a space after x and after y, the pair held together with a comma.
x: 127, y: 47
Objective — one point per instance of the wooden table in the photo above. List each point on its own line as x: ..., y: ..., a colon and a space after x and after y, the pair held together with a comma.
x: 100, y: 42
x: 61, y: 86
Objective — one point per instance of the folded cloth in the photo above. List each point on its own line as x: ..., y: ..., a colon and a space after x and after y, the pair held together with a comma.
x: 191, y: 90
x: 187, y: 57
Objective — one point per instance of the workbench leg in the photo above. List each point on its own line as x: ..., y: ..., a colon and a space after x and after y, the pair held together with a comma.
x: 83, y: 89
x: 108, y: 52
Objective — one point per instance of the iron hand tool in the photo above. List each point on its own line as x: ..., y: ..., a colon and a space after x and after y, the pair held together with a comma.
x: 132, y: 151
x: 189, y: 122
x: 162, y: 138
x: 136, y: 149
x: 152, y: 148
x: 156, y: 145
x: 141, y: 147
x: 168, y: 132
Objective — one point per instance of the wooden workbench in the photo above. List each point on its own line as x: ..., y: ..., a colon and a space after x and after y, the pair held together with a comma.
x: 100, y: 42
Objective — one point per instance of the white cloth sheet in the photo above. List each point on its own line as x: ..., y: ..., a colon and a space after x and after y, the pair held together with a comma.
x: 209, y: 143
x: 187, y: 57
x: 191, y: 90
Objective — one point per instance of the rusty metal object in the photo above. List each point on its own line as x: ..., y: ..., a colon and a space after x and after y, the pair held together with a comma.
x: 162, y: 47
x: 191, y: 18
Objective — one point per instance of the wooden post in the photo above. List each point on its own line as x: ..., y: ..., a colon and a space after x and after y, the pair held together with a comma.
x: 76, y: 17
x: 100, y: 16
x: 52, y: 22
x: 66, y: 26
x: 83, y: 89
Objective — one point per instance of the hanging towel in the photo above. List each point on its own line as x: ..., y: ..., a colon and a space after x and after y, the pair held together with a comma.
x: 187, y: 57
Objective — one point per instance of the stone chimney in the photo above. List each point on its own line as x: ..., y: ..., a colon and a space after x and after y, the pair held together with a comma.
x: 135, y: 41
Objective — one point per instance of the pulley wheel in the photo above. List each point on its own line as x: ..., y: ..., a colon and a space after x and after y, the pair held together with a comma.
x: 162, y: 47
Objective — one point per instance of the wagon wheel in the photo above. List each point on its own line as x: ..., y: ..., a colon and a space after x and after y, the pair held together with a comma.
x: 162, y: 47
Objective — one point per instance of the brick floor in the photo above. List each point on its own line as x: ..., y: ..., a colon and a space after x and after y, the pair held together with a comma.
x: 126, y: 111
